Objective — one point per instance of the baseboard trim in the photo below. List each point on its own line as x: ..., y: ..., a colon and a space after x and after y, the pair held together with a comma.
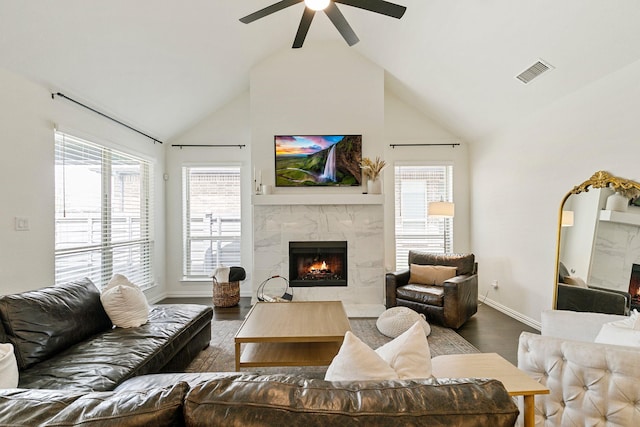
x: 157, y: 298
x: 513, y: 314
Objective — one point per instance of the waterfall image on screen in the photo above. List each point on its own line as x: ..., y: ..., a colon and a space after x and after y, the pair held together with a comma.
x: 318, y: 160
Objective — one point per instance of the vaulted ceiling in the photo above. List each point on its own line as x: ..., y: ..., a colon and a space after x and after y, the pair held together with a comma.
x: 164, y: 65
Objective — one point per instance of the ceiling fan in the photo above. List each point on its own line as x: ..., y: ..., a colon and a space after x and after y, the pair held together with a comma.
x: 329, y: 7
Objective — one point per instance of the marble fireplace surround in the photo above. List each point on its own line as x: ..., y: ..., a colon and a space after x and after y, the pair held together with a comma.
x: 355, y: 218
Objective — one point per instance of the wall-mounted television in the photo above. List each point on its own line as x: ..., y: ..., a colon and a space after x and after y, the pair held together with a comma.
x: 318, y: 160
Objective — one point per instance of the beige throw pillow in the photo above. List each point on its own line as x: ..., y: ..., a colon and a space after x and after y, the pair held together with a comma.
x: 575, y: 281
x: 430, y: 274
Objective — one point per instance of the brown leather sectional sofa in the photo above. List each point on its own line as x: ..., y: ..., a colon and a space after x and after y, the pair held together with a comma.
x: 247, y: 400
x: 63, y: 339
x: 75, y: 369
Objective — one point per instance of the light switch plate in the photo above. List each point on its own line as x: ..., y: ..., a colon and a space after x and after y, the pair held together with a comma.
x: 22, y: 223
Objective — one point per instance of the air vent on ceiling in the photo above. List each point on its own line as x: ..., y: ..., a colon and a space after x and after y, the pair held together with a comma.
x: 534, y: 71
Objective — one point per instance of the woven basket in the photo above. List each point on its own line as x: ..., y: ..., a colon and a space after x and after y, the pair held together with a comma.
x: 226, y: 294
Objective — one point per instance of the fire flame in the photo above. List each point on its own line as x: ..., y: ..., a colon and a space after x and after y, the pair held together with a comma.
x: 319, y: 267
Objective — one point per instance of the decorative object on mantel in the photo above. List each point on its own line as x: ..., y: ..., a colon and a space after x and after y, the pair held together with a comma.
x: 373, y: 169
x: 617, y: 202
x: 257, y: 180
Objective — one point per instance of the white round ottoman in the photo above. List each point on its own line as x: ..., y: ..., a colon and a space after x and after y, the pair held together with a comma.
x: 396, y: 320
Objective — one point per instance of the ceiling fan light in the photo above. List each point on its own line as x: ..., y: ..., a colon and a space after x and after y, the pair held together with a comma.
x: 316, y: 4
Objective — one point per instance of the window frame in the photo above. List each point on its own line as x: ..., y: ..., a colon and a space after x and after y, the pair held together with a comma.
x: 188, y: 238
x: 106, y: 243
x: 444, y: 226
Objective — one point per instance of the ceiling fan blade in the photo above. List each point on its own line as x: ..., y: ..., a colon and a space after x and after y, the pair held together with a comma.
x: 377, y: 6
x: 303, y: 28
x: 269, y: 10
x: 341, y: 24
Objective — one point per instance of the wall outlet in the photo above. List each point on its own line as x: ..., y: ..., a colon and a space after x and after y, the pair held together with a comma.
x: 494, y: 284
x: 21, y: 223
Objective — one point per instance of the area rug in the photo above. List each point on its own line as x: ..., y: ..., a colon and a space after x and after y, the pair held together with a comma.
x: 219, y: 356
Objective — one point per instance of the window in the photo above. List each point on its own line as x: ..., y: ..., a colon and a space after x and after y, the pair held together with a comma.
x: 415, y: 187
x: 103, y: 220
x: 211, y: 208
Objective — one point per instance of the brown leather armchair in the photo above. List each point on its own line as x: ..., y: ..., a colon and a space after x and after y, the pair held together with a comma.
x: 449, y: 305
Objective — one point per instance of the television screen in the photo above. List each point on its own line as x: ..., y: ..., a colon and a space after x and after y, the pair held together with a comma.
x: 318, y: 160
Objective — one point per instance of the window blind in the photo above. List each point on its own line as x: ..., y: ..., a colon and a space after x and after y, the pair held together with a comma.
x: 103, y: 215
x: 211, y: 219
x: 415, y: 187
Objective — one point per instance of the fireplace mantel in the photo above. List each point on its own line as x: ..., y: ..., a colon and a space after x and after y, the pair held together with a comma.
x: 357, y: 219
x: 318, y: 199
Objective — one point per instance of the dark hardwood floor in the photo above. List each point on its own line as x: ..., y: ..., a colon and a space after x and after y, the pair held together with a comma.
x: 490, y: 330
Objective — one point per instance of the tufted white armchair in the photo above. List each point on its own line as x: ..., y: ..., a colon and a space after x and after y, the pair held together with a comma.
x: 591, y: 384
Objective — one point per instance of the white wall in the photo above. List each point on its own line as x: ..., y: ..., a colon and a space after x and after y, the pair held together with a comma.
x: 405, y: 125
x: 229, y: 125
x: 520, y: 176
x: 324, y: 88
x: 27, y: 117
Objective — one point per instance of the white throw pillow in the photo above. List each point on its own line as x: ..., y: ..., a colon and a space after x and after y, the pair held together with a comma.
x: 356, y: 361
x: 631, y: 322
x: 398, y: 320
x: 621, y: 332
x: 8, y: 367
x: 118, y: 279
x: 611, y: 334
x: 405, y: 357
x: 409, y: 354
x: 125, y: 304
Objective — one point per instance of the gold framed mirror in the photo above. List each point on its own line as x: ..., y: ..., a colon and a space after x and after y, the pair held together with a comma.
x: 591, y: 239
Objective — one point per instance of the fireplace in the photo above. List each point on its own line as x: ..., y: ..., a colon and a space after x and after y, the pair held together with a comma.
x: 634, y: 286
x: 317, y: 264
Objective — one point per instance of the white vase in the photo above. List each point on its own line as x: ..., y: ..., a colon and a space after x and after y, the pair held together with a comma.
x: 374, y: 186
x: 617, y: 202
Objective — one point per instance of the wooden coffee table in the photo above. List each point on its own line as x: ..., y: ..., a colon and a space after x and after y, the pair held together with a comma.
x: 306, y: 333
x: 492, y: 365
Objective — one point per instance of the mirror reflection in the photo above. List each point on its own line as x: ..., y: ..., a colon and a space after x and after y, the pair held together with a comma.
x: 598, y: 248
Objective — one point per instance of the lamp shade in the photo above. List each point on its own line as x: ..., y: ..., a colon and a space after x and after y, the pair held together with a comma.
x: 441, y: 209
x: 567, y: 219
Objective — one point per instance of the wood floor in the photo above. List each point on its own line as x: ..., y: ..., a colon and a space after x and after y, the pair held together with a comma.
x: 490, y: 331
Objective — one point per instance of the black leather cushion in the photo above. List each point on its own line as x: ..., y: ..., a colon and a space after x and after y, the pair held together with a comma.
x: 159, y: 406
x: 279, y: 400
x: 43, y: 322
x: 106, y: 360
x: 430, y: 295
x: 465, y: 263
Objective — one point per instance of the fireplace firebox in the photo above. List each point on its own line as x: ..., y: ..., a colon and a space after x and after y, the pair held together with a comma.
x: 317, y: 264
x: 634, y: 286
